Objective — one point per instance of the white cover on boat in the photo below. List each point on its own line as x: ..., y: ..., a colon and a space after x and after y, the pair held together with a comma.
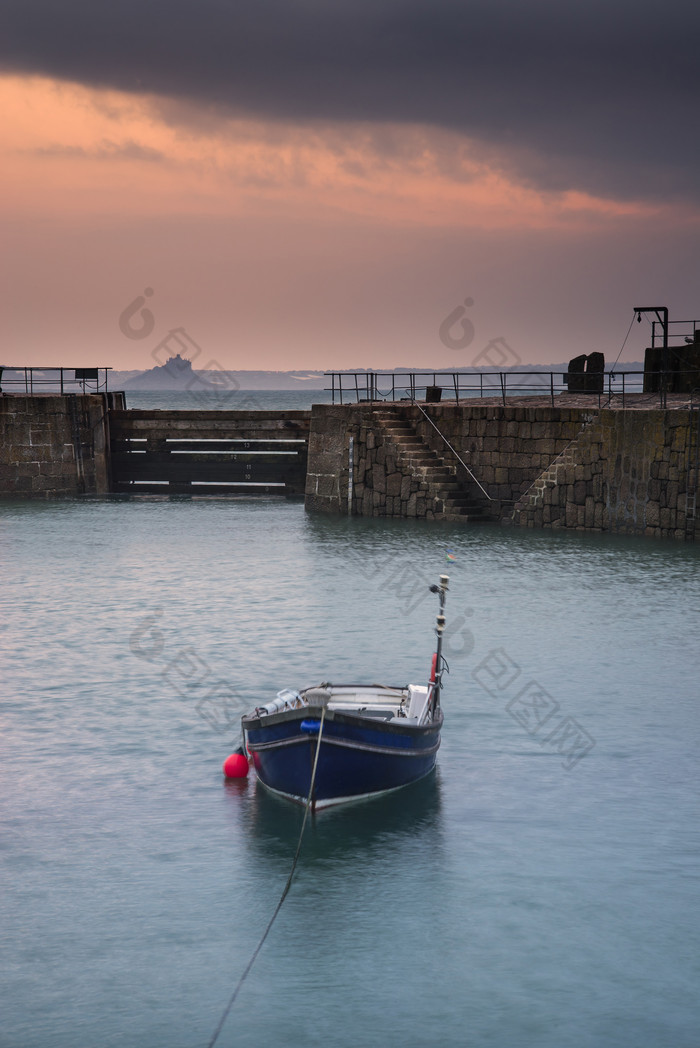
x: 417, y: 700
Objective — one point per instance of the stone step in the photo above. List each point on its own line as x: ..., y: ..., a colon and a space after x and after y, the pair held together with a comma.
x: 463, y: 500
x: 464, y: 518
x: 437, y: 479
x: 464, y: 512
x: 469, y: 503
x: 401, y: 434
x: 432, y: 470
x: 413, y: 445
x: 468, y: 508
x: 457, y: 497
x: 417, y: 456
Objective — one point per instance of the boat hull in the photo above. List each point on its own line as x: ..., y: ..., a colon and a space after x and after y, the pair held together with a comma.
x: 359, y: 756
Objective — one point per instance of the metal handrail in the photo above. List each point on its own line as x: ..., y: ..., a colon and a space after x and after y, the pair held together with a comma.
x: 691, y: 329
x: 50, y: 376
x: 458, y: 456
x: 359, y: 386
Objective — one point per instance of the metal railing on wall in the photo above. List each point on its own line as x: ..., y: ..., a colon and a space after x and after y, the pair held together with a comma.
x: 682, y: 331
x: 347, y: 387
x: 33, y: 380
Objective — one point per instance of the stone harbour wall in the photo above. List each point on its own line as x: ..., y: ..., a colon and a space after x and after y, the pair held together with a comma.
x: 53, y: 446
x: 506, y: 448
x: 327, y: 467
x: 632, y: 471
x: 628, y: 471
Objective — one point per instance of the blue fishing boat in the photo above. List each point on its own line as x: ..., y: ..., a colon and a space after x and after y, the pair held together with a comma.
x: 335, y: 743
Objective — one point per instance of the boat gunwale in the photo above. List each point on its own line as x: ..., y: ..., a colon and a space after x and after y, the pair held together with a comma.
x: 395, y: 726
x: 349, y: 744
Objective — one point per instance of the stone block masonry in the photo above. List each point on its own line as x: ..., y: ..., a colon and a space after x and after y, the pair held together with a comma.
x: 53, y: 446
x: 505, y: 448
x: 630, y: 471
x: 633, y: 472
x: 329, y: 449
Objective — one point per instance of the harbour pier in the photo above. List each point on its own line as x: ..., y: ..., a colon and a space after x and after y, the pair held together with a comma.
x: 606, y: 458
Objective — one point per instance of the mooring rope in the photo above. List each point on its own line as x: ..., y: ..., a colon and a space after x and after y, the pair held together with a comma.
x: 623, y: 344
x: 283, y: 896
x: 612, y: 369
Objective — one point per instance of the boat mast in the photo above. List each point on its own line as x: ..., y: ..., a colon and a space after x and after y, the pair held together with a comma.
x: 441, y: 590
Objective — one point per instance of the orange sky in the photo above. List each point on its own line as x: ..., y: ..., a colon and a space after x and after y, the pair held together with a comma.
x: 289, y: 246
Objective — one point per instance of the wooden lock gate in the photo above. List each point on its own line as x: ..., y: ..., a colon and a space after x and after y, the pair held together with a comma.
x: 209, y: 452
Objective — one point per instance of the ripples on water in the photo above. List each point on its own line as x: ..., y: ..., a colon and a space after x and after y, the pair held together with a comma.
x: 506, y: 901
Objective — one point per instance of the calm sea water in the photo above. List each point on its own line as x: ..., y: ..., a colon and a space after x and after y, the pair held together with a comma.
x: 541, y: 890
x: 227, y: 399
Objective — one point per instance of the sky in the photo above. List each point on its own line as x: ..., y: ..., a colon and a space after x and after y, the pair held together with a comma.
x: 317, y: 185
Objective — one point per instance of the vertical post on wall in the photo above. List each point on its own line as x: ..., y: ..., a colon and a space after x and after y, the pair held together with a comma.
x: 351, y: 467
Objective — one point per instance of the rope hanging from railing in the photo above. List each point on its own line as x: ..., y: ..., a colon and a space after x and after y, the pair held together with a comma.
x: 624, y: 343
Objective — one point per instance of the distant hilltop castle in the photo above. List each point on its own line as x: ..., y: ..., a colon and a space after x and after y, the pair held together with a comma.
x: 176, y: 365
x: 175, y: 373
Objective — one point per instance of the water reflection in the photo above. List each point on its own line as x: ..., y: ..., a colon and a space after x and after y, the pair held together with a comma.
x: 382, y: 825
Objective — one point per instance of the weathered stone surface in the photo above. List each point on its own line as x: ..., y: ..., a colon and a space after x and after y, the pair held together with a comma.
x: 393, y: 484
x: 652, y: 514
x: 379, y: 479
x: 579, y: 492
x: 616, y: 467
x: 38, y: 440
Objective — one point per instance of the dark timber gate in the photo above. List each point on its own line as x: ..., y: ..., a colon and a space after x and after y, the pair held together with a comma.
x: 209, y: 452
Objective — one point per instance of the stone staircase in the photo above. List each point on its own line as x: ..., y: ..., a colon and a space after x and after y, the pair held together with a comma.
x: 558, y: 472
x: 554, y: 474
x: 450, y: 498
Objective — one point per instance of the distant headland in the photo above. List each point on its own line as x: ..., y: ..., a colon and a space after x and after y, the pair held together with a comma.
x: 177, y: 373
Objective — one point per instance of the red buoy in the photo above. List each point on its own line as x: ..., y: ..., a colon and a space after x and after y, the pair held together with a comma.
x: 236, y: 766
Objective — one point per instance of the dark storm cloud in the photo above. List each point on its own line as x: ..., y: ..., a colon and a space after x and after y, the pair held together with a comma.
x: 598, y: 95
